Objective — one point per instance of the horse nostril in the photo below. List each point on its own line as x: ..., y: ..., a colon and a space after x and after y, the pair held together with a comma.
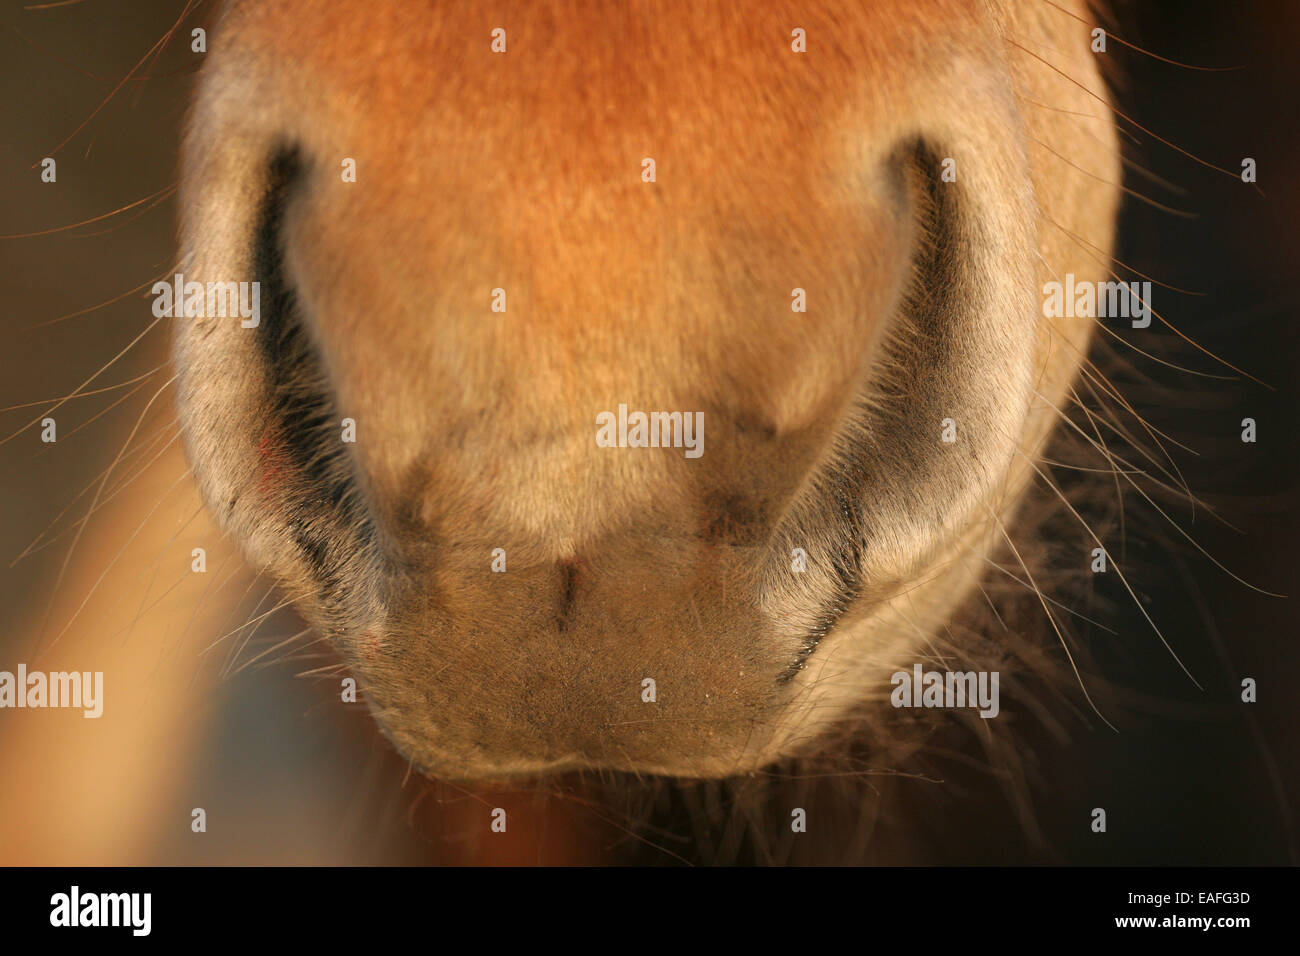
x: 259, y: 417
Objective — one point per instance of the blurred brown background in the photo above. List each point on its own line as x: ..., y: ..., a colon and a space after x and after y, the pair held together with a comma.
x: 286, y: 777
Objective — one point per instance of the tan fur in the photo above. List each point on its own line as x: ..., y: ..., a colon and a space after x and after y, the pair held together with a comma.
x: 476, y: 429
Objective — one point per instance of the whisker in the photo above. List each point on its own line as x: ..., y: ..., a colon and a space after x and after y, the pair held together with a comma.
x: 1133, y: 46
x: 1124, y: 116
x: 77, y: 391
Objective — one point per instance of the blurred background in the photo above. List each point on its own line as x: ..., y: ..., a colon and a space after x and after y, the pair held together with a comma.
x: 286, y: 775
